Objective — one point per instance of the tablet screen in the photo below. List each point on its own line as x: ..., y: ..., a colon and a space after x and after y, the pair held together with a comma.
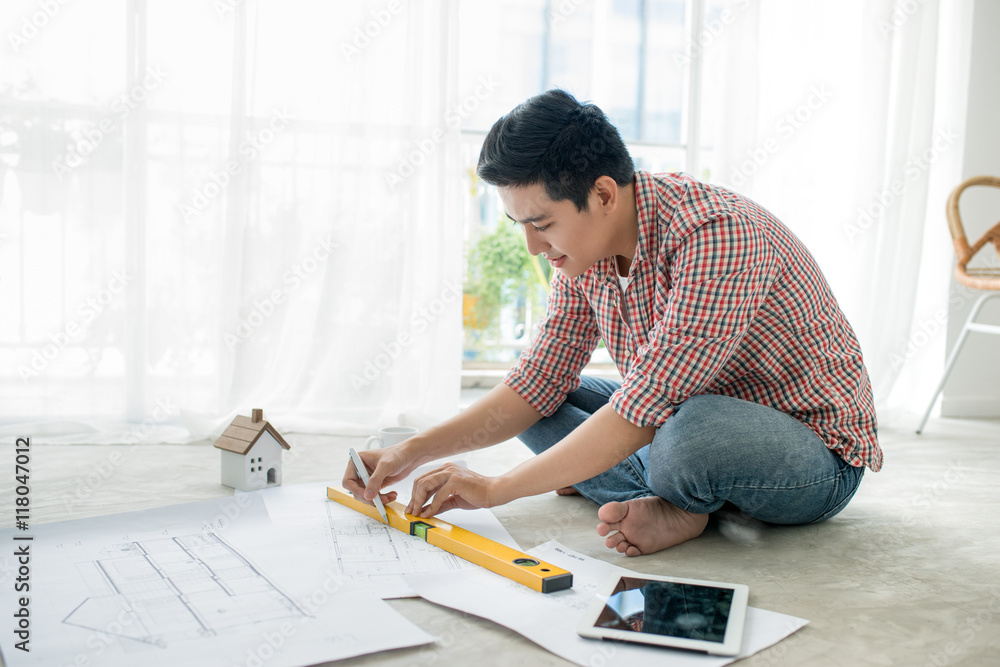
x: 668, y: 608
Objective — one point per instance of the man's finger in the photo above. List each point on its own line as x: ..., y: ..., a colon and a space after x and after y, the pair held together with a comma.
x: 423, y: 488
x: 370, y: 489
x: 442, y: 494
x: 376, y: 478
x: 420, y: 494
x: 350, y: 473
x: 412, y: 505
x: 352, y: 483
x: 448, y: 503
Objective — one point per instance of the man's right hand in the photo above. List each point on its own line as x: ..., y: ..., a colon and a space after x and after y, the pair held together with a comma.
x: 500, y: 415
x: 385, y: 468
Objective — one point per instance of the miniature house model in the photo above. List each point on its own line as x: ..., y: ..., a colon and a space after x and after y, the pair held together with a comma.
x: 251, y: 453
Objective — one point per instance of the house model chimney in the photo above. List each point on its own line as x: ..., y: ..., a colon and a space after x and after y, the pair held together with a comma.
x: 257, y: 415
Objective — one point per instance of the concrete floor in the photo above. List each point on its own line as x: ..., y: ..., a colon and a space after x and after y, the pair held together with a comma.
x: 908, y: 574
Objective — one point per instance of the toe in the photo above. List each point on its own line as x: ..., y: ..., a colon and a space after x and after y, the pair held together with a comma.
x: 616, y: 541
x: 612, y: 512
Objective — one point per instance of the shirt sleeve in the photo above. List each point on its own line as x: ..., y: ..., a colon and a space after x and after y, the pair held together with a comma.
x: 719, y: 277
x: 550, y: 368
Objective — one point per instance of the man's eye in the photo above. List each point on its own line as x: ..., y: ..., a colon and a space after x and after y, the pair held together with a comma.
x: 541, y: 229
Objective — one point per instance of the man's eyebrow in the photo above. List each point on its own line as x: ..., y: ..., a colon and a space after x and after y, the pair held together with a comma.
x: 527, y: 221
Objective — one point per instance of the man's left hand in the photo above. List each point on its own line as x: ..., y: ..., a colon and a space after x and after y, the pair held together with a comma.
x: 450, y: 487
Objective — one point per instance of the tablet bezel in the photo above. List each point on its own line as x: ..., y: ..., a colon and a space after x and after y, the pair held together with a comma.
x: 730, y: 646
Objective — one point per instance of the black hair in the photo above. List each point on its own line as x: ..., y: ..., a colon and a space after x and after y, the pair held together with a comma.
x: 555, y: 140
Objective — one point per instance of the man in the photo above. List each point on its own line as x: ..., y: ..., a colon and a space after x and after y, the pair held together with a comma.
x: 742, y: 380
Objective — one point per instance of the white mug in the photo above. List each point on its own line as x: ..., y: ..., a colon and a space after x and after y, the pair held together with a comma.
x: 388, y: 436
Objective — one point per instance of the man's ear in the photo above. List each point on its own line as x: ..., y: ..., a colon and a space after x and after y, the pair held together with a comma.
x: 607, y: 193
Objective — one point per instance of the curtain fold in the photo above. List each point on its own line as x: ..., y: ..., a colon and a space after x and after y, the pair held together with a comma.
x: 841, y: 119
x: 300, y: 218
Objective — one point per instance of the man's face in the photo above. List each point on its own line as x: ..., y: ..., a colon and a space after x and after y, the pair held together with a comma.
x: 571, y: 240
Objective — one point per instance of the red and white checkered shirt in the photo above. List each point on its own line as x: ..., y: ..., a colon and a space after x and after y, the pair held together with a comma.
x: 722, y: 299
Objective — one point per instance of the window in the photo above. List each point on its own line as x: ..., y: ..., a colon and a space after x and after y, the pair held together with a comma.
x: 631, y: 58
x: 140, y: 205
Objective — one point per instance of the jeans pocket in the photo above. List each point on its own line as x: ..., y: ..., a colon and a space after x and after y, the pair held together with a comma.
x: 848, y: 482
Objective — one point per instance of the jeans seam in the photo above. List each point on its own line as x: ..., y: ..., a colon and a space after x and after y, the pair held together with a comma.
x: 843, y: 503
x: 784, y: 488
x: 836, y: 476
x: 637, y: 476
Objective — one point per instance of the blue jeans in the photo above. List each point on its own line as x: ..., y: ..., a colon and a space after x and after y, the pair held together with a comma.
x: 711, y: 450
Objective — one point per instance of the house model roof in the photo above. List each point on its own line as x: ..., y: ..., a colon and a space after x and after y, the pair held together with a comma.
x: 244, y: 432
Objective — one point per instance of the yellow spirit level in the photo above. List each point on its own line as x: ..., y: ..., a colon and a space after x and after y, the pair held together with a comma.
x: 494, y: 556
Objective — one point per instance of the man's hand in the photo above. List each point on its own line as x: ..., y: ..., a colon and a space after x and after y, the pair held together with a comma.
x: 385, y: 468
x: 499, y: 416
x: 451, y: 487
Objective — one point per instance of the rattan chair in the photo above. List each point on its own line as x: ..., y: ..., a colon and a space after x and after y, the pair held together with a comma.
x: 987, y: 279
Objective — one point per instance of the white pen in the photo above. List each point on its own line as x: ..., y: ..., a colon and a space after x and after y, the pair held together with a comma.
x: 359, y: 465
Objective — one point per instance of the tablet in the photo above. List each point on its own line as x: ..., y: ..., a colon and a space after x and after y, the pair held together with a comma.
x: 667, y: 611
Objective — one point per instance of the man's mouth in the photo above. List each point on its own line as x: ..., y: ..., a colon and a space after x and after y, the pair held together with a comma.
x: 556, y: 261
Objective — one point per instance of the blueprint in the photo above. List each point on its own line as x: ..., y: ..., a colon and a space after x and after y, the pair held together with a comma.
x: 170, y: 589
x: 365, y: 549
x: 360, y: 552
x: 207, y: 583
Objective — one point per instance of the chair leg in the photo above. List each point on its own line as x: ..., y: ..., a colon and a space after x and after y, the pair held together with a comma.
x: 954, y: 355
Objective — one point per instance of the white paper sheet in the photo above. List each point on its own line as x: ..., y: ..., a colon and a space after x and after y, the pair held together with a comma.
x: 550, y: 620
x: 183, y: 585
x: 292, y: 504
x: 482, y: 522
x: 357, y: 551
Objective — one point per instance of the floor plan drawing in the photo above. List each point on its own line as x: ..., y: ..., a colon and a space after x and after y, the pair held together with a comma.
x: 159, y: 591
x: 155, y: 588
x: 364, y: 547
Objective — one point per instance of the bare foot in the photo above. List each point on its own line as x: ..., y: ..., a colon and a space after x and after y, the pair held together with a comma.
x: 647, y: 525
x: 567, y: 491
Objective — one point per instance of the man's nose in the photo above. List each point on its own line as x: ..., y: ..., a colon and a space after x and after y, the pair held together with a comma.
x: 535, y: 244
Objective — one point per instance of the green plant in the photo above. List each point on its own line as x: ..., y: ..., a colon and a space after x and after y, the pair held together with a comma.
x: 499, y: 264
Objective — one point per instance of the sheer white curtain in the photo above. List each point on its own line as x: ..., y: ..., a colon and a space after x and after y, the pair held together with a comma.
x: 846, y: 119
x: 262, y: 213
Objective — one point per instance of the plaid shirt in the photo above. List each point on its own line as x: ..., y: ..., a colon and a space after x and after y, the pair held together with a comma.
x: 722, y: 299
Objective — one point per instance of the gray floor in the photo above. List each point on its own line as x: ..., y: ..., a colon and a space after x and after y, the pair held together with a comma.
x: 908, y: 574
